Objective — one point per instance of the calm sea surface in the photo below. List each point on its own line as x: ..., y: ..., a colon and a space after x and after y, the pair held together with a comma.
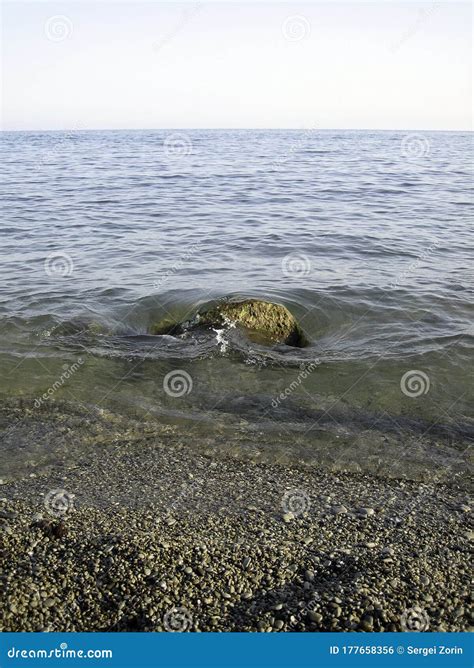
x: 364, y: 236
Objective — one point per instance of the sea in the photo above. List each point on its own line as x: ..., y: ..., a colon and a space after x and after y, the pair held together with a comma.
x: 365, y: 236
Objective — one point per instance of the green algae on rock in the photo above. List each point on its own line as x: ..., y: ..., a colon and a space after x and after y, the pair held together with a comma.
x: 263, y: 322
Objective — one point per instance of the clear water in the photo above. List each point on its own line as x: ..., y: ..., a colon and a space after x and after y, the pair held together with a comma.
x: 364, y: 236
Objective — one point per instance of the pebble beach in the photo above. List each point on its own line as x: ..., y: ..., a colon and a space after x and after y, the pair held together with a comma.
x: 133, y: 535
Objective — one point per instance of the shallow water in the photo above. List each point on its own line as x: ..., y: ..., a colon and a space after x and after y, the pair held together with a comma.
x: 364, y: 236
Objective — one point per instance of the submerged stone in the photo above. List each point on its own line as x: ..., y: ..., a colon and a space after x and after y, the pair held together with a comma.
x: 74, y: 327
x: 263, y: 322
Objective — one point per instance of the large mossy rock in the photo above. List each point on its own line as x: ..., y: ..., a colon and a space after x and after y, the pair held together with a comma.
x: 263, y: 322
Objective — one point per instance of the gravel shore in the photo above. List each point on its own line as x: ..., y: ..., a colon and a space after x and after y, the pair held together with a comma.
x: 134, y: 534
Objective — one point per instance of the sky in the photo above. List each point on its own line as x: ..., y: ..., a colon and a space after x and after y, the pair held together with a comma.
x: 105, y: 64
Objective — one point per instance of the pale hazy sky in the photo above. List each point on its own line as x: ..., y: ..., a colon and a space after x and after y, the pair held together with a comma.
x: 151, y: 64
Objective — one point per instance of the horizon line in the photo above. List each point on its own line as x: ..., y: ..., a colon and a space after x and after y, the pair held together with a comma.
x: 206, y: 129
